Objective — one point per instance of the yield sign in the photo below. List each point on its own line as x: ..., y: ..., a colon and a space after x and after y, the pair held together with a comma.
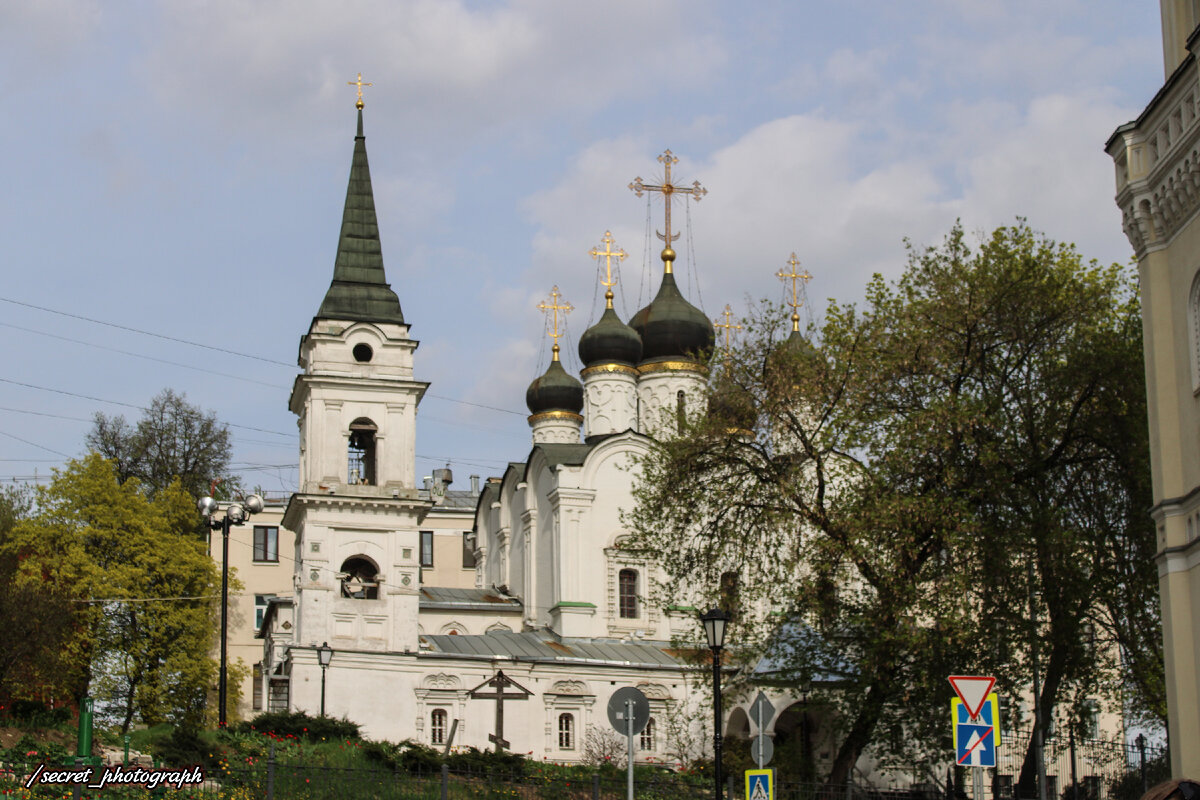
x: 972, y: 690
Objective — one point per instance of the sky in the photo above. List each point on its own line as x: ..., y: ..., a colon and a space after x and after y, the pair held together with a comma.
x: 174, y: 174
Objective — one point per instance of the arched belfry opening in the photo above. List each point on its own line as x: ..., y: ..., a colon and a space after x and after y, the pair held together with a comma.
x: 360, y: 578
x: 360, y: 453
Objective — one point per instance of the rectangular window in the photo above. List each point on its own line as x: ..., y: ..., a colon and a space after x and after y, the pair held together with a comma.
x: 257, y: 693
x: 260, y: 609
x: 426, y: 548
x: 566, y: 732
x: 266, y: 543
x: 468, y: 550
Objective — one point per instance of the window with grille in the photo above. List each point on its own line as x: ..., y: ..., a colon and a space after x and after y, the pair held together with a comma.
x: 647, y: 742
x: 437, y: 726
x: 627, y: 599
x: 257, y: 693
x: 266, y: 543
x: 566, y: 732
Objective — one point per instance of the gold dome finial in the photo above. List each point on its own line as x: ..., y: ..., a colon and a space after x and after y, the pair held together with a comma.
x: 798, y: 292
x: 608, y: 281
x: 553, y: 307
x: 359, y: 83
x: 729, y: 327
x: 668, y: 190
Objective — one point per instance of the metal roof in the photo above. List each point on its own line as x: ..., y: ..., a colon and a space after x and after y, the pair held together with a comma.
x: 446, y: 598
x: 543, y: 646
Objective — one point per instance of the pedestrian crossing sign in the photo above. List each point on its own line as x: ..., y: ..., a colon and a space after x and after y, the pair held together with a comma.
x: 760, y: 784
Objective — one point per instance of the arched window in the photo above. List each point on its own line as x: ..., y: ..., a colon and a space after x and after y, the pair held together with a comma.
x: 566, y: 732
x: 360, y: 578
x: 360, y: 453
x: 680, y: 410
x: 647, y: 741
x: 437, y: 726
x: 627, y: 588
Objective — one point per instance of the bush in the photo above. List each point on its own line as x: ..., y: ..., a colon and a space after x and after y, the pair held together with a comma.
x: 36, y: 714
x: 472, y: 760
x: 301, y: 726
x: 185, y: 747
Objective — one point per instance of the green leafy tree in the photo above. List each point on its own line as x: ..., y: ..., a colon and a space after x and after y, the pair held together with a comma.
x: 147, y: 590
x: 173, y: 439
x: 913, y: 472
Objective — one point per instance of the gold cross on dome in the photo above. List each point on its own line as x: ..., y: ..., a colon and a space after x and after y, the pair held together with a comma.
x: 609, y: 254
x: 668, y: 190
x: 794, y: 276
x: 359, y: 83
x: 553, y: 308
x: 728, y: 325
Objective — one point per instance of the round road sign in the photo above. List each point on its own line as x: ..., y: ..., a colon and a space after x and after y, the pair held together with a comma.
x: 616, y: 710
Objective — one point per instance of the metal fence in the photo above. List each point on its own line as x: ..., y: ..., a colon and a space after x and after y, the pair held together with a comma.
x: 1075, y: 770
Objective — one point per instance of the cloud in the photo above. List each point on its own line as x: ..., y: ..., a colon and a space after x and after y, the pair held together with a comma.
x: 437, y: 65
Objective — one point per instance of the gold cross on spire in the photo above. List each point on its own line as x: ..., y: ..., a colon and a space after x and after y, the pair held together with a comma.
x: 728, y: 325
x: 553, y: 307
x: 609, y: 254
x: 797, y: 291
x: 668, y: 191
x: 359, y: 83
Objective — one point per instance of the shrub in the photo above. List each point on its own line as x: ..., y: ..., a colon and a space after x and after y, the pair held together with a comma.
x: 185, y: 747
x: 36, y: 714
x: 301, y: 726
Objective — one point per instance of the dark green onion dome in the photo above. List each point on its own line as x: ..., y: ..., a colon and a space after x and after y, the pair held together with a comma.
x: 610, y: 341
x: 555, y: 390
x: 731, y: 407
x: 671, y: 327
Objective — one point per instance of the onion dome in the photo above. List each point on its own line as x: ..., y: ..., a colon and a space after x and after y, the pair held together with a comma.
x: 555, y: 390
x: 731, y: 407
x: 671, y: 327
x: 610, y: 341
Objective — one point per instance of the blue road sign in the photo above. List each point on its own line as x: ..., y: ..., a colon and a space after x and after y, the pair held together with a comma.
x: 975, y: 745
x: 760, y: 784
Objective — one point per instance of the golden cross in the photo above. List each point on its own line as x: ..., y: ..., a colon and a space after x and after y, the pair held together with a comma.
x: 668, y: 190
x: 359, y: 83
x: 609, y: 254
x: 553, y: 307
x: 727, y: 325
x: 794, y: 276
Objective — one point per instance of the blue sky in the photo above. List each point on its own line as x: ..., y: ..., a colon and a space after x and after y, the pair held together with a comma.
x: 180, y: 168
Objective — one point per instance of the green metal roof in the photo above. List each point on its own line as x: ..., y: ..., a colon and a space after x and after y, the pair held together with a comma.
x: 360, y: 290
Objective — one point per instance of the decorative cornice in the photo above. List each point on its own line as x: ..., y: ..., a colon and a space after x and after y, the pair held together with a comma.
x: 672, y: 366
x: 607, y: 369
x: 556, y: 416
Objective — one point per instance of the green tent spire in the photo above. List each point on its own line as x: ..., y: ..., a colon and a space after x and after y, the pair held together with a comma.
x: 360, y: 290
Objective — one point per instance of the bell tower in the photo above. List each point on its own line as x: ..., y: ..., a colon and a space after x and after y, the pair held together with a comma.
x: 357, y: 512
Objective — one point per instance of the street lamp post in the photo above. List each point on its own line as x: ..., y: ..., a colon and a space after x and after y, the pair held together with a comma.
x: 235, y: 514
x: 324, y: 655
x: 715, y: 621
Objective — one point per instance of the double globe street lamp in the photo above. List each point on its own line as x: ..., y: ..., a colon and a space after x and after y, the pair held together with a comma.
x: 235, y: 514
x: 715, y: 621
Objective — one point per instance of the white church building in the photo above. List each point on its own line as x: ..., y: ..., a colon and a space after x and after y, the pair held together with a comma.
x: 557, y: 604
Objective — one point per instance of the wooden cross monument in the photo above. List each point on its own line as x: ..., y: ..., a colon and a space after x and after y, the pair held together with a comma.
x: 499, y: 682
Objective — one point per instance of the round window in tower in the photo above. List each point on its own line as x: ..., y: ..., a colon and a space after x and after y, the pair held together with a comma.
x: 363, y: 353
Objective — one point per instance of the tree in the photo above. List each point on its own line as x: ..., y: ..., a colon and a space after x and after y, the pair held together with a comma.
x: 173, y: 439
x: 146, y: 590
x: 914, y: 471
x: 38, y: 619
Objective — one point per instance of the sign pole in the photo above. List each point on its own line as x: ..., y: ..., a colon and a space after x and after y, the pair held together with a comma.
x: 629, y: 733
x: 977, y: 783
x: 761, y: 734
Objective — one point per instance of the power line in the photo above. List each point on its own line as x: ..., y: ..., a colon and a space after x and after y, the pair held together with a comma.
x: 35, y: 444
x: 126, y: 405
x: 139, y: 355
x: 146, y: 333
x: 206, y: 347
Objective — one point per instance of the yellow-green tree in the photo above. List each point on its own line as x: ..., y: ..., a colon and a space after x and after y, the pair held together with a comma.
x: 146, y: 591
